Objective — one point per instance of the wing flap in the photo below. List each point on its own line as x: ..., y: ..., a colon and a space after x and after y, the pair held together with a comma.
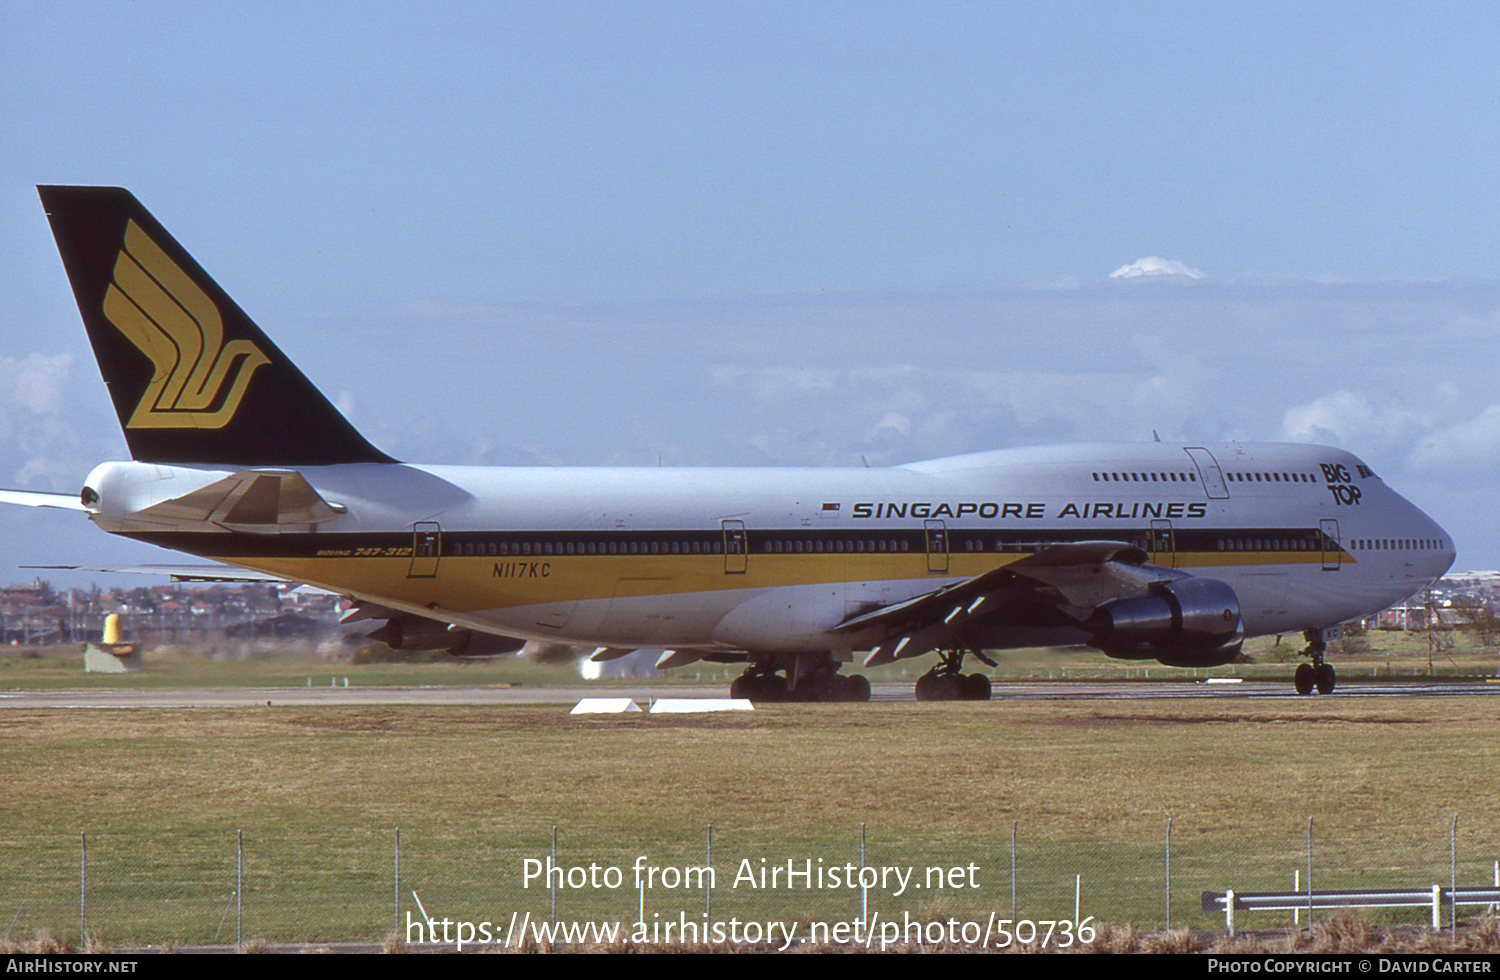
x: 929, y: 607
x: 1088, y: 573
x: 1075, y: 578
x: 1085, y: 573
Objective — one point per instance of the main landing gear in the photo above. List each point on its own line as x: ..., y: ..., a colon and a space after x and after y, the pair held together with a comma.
x: 762, y: 686
x: 1316, y: 674
x: 947, y: 682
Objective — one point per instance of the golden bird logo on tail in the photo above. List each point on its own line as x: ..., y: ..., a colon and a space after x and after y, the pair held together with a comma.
x: 199, y: 380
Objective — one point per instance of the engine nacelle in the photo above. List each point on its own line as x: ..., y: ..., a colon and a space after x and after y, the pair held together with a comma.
x: 407, y: 632
x: 1188, y: 622
x: 474, y: 644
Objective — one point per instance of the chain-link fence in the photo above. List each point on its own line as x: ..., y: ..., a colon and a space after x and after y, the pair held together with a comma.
x: 366, y: 885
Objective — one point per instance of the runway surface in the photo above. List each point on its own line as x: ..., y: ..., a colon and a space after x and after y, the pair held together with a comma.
x: 646, y: 692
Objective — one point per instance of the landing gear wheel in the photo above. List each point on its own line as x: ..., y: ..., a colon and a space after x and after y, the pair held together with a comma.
x: 1316, y: 674
x: 946, y: 682
x: 1302, y: 680
x: 830, y: 687
x: 762, y: 686
x: 772, y: 687
x: 937, y: 687
x: 933, y: 686
x: 759, y: 688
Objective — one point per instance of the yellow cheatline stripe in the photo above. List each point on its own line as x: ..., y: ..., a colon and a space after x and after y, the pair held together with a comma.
x: 467, y: 583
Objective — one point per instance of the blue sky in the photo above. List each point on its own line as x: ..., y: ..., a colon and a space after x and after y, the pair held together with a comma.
x: 787, y: 233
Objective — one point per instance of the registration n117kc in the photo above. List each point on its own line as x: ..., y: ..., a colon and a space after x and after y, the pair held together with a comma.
x: 1150, y: 551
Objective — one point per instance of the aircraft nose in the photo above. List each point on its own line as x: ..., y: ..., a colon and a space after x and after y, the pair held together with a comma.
x: 1449, y: 554
x: 1442, y: 556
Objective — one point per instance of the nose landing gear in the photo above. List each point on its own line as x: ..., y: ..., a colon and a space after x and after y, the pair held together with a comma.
x: 1317, y: 674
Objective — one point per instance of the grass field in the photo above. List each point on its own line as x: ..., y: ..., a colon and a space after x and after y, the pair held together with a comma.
x: 1386, y: 655
x: 1088, y: 786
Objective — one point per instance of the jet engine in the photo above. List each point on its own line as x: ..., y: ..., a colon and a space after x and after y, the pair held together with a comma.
x: 408, y: 632
x: 1188, y: 622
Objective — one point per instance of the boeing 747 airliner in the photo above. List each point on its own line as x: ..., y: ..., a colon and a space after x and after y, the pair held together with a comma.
x: 1149, y: 551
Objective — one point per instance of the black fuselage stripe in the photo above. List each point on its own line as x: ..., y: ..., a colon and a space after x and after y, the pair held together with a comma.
x: 698, y: 541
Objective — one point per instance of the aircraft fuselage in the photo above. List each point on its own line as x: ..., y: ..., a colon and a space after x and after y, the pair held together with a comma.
x: 771, y: 560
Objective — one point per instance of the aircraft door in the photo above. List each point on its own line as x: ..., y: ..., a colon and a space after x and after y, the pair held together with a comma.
x: 1332, y: 549
x: 426, y: 548
x: 735, y: 554
x: 1163, y: 544
x: 937, y: 546
x: 1208, y: 471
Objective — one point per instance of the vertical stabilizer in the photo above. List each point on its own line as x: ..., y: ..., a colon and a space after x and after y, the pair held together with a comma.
x: 193, y: 379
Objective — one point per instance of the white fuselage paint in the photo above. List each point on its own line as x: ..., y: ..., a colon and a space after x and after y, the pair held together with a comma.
x: 1222, y: 511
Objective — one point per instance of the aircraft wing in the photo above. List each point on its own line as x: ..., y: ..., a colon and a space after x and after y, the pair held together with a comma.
x: 1106, y: 587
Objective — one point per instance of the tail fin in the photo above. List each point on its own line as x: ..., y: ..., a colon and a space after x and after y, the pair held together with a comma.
x: 193, y: 379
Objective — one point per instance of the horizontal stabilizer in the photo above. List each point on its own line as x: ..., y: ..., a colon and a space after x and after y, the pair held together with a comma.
x: 253, y: 500
x: 37, y: 498
x: 181, y: 573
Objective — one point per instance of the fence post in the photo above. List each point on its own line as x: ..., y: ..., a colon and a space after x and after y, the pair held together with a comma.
x: 1169, y: 874
x: 396, y: 885
x: 1012, y: 869
x: 1453, y: 879
x: 1309, y: 873
x: 239, y: 884
x: 864, y: 893
x: 708, y: 862
x: 83, y: 886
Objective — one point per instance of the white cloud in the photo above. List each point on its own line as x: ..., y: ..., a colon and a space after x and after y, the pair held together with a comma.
x: 1348, y: 420
x: 897, y: 422
x: 1470, y: 444
x: 1154, y: 266
x: 34, y: 386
